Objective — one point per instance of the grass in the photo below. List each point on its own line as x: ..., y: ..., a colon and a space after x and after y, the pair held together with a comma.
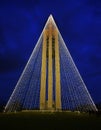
x: 49, y: 121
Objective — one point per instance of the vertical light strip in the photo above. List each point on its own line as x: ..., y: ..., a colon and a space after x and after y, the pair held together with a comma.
x: 43, y: 74
x: 57, y: 73
x: 50, y: 75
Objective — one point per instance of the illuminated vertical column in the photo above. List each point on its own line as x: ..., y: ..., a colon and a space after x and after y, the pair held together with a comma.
x: 43, y: 74
x: 57, y: 73
x: 50, y: 75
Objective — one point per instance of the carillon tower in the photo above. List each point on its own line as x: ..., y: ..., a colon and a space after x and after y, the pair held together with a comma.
x: 50, y: 67
x: 50, y: 80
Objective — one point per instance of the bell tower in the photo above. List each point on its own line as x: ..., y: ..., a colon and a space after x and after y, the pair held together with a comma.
x: 51, y: 61
x: 50, y: 79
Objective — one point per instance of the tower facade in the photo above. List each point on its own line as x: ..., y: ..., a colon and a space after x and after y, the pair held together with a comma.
x: 50, y: 66
x: 50, y: 80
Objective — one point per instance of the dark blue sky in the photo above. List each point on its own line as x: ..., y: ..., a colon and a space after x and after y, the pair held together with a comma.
x: 21, y: 23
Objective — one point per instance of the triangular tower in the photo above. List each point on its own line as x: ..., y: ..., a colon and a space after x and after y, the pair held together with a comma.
x: 50, y: 80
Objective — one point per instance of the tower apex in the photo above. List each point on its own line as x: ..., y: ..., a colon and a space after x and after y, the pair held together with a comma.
x: 50, y: 18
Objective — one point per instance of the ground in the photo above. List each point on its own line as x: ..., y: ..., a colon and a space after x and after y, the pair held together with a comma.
x: 50, y: 121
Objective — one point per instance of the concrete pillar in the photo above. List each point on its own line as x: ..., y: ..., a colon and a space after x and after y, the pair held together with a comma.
x: 43, y: 74
x: 57, y: 73
x: 50, y: 74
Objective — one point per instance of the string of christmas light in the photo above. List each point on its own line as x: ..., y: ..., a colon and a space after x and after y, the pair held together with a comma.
x: 73, y: 91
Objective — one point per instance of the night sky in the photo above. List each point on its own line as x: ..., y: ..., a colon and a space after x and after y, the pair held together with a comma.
x: 21, y: 23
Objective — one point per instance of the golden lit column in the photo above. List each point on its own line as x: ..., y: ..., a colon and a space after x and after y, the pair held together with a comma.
x: 57, y: 72
x: 50, y: 75
x: 43, y: 74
